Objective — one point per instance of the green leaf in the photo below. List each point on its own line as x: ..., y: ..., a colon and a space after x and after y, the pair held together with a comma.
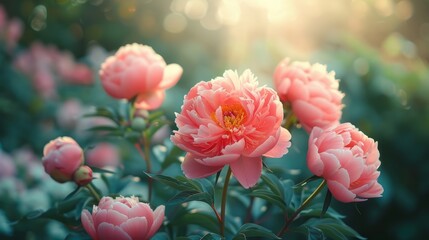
x: 78, y: 188
x: 105, y: 112
x: 288, y: 191
x: 206, y: 186
x: 269, y: 197
x: 155, y: 115
x: 154, y: 127
x: 172, y: 157
x: 201, y: 219
x: 274, y: 184
x: 332, y: 228
x: 315, y: 234
x: 187, y: 196
x: 254, y: 230
x: 316, y: 211
x: 179, y: 183
x: 208, y: 236
x: 327, y: 202
x: 303, y: 183
x: 110, y: 129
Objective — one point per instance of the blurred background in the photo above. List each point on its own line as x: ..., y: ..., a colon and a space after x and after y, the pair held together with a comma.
x: 379, y: 50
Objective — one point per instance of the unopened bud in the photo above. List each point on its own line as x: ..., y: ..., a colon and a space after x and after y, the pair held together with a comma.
x: 138, y: 124
x: 83, y: 176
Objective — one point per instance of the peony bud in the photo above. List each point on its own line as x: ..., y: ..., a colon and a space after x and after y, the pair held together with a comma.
x: 138, y: 124
x: 83, y: 175
x: 61, y: 158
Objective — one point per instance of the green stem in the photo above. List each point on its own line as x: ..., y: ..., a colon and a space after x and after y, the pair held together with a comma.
x: 223, y: 204
x: 93, y: 192
x: 303, y: 205
x: 146, y: 156
x: 290, y: 118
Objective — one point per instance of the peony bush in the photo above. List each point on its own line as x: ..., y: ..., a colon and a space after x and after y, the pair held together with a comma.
x: 124, y: 169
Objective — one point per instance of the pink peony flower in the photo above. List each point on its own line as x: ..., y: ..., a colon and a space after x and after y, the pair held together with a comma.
x: 230, y: 121
x: 122, y: 218
x: 3, y: 19
x: 80, y: 74
x: 69, y: 113
x: 137, y: 71
x: 61, y: 158
x: 103, y: 155
x: 312, y: 92
x: 7, y: 166
x: 14, y: 32
x: 347, y: 159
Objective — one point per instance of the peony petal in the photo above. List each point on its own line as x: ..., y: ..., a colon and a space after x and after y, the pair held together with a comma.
x: 314, y: 163
x: 194, y: 169
x: 306, y: 114
x: 158, y: 220
x: 340, y: 192
x: 88, y: 223
x: 120, y: 207
x: 283, y: 143
x: 247, y: 170
x: 107, y: 231
x: 235, y: 148
x: 264, y: 147
x: 150, y: 100
x: 142, y: 209
x: 219, y: 161
x: 341, y: 176
x: 136, y: 228
x: 154, y: 77
x: 172, y: 74
x: 375, y: 191
x: 331, y: 164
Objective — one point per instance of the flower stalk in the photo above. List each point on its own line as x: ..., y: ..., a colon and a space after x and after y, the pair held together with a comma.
x: 302, y: 207
x: 223, y: 204
x: 93, y: 192
x: 146, y: 156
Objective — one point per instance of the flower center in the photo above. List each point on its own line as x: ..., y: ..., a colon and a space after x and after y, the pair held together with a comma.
x: 233, y: 116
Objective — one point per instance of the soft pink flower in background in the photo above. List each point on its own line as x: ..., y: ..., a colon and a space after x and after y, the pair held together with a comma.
x: 122, y: 218
x: 85, y: 123
x: 7, y: 166
x: 3, y: 18
x: 69, y: 113
x: 44, y: 83
x: 230, y: 121
x: 48, y: 67
x: 136, y: 70
x: 103, y: 155
x: 61, y: 158
x: 312, y: 92
x: 348, y: 160
x: 13, y: 32
x: 10, y: 29
x: 72, y: 72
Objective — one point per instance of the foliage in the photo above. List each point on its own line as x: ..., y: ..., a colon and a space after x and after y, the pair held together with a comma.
x: 387, y: 99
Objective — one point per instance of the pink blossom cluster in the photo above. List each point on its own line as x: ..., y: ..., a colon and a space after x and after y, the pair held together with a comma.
x: 64, y: 160
x: 228, y: 121
x: 48, y: 67
x: 10, y: 30
x: 341, y: 154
